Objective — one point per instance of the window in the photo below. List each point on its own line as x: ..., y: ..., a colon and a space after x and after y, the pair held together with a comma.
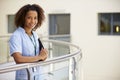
x: 59, y: 26
x: 109, y: 23
x: 11, y: 25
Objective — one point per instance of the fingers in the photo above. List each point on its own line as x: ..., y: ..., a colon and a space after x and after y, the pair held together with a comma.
x: 43, y: 54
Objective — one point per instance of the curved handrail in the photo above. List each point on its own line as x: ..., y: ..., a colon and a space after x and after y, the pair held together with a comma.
x: 48, y: 61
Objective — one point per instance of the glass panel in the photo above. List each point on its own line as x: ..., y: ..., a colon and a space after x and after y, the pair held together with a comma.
x: 59, y: 24
x: 59, y: 27
x: 60, y: 74
x: 105, y: 23
x: 11, y: 25
x: 7, y: 76
x: 63, y: 24
x: 116, y: 23
x: 60, y: 50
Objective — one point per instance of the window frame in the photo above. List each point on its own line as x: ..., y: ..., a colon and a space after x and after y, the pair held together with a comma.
x: 112, y: 22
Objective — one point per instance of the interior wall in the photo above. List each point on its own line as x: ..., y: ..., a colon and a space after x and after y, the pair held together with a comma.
x: 100, y: 53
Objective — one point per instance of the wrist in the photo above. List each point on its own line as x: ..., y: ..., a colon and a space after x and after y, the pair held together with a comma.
x: 39, y: 58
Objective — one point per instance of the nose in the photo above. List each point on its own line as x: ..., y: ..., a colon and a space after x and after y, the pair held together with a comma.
x: 32, y: 20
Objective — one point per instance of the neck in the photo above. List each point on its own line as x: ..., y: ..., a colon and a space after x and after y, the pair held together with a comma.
x: 28, y: 31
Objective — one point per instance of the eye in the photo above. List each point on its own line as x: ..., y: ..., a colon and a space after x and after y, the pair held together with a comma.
x: 35, y: 18
x: 28, y: 17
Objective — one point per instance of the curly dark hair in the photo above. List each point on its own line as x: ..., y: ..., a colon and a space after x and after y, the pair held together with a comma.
x: 20, y: 15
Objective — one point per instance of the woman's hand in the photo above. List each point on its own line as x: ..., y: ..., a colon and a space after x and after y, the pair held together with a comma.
x: 43, y: 54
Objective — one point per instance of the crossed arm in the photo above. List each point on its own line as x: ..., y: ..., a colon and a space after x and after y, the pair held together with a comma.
x: 27, y: 59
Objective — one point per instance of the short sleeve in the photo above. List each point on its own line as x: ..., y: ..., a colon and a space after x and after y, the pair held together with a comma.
x: 15, y: 44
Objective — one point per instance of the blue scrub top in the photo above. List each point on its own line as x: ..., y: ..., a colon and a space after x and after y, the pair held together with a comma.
x: 21, y: 42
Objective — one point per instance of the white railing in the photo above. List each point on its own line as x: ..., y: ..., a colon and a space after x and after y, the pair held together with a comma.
x: 69, y: 55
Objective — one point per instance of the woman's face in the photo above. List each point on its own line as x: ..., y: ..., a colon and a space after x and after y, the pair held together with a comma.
x: 31, y: 19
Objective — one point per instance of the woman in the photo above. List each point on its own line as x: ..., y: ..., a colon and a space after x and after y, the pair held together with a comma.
x: 24, y: 45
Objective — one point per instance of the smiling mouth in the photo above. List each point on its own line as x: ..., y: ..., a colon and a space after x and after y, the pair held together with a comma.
x: 32, y: 25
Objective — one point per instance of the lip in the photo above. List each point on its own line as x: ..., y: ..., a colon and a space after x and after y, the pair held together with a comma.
x: 32, y: 25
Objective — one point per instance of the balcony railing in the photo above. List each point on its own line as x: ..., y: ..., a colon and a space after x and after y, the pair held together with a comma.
x: 63, y: 62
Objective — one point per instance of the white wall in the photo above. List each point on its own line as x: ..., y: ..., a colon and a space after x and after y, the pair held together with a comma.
x: 101, y: 54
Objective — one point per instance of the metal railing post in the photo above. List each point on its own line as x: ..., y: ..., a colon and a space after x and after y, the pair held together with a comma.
x: 29, y: 74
